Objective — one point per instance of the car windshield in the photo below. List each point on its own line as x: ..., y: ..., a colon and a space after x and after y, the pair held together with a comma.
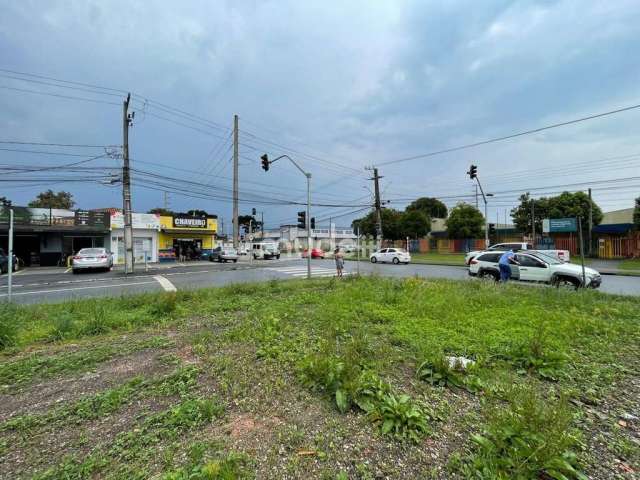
x: 91, y: 251
x: 550, y: 259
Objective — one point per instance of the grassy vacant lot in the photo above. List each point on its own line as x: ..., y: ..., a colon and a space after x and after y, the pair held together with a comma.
x: 324, y: 379
x: 632, y: 264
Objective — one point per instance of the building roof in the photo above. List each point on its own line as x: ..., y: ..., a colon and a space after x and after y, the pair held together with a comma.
x: 617, y: 217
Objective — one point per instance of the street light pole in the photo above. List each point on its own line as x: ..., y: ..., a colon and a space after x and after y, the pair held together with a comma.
x: 265, y: 166
x: 10, y: 262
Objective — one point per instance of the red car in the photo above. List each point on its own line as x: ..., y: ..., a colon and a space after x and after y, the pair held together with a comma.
x: 315, y: 253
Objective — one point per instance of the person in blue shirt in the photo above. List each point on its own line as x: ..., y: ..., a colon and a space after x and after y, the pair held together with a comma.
x: 505, y: 262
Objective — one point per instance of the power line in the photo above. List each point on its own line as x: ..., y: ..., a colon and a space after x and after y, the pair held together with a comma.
x: 75, y: 145
x: 69, y: 97
x: 513, y: 135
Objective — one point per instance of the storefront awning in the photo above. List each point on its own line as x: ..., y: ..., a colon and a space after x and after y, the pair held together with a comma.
x: 615, y: 228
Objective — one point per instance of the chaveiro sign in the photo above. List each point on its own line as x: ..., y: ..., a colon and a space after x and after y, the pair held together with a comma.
x: 186, y: 221
x: 559, y: 225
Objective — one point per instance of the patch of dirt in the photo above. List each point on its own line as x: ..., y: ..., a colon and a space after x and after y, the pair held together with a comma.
x: 58, y: 391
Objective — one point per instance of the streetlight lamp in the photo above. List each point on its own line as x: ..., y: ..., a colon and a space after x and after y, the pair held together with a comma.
x: 265, y: 166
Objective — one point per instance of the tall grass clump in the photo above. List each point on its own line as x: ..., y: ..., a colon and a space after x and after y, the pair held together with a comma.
x: 8, y: 325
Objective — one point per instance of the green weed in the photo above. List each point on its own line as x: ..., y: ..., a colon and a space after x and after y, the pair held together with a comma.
x: 536, y: 356
x: 96, y: 323
x: 531, y: 438
x: 439, y: 371
x: 229, y: 467
x: 8, y: 325
x: 63, y: 327
x: 401, y: 417
x: 164, y: 305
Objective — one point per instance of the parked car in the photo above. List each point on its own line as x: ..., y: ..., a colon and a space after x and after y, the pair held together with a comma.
x: 563, y: 255
x: 225, y: 255
x: 265, y: 250
x: 92, y: 258
x: 537, y: 267
x: 4, y: 262
x: 391, y: 255
x: 315, y: 253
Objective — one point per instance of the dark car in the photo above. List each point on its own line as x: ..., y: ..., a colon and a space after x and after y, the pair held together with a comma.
x: 4, y: 262
x: 215, y: 254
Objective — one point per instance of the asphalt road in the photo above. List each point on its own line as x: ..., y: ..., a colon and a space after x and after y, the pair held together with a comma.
x: 45, y: 285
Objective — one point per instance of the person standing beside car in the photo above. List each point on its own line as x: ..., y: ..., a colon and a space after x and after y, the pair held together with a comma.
x: 506, y: 259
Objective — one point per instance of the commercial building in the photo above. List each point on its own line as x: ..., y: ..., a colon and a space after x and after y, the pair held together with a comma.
x: 45, y: 237
x: 186, y: 236
x: 146, y: 228
x: 616, y: 235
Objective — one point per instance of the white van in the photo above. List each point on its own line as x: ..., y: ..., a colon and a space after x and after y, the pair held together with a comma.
x: 265, y: 250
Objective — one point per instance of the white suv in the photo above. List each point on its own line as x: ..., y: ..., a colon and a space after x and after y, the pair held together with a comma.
x: 392, y: 255
x: 535, y: 267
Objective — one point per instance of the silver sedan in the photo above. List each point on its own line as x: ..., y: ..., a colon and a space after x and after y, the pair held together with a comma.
x: 92, y: 258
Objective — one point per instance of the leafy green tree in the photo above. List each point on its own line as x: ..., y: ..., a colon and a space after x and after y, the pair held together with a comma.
x: 465, y: 221
x: 432, y: 207
x: 161, y: 211
x: 391, y: 224
x: 564, y: 205
x: 414, y: 224
x: 49, y: 199
x: 636, y: 214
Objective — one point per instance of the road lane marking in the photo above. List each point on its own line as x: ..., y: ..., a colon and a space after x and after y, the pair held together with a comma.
x: 38, y: 292
x: 165, y: 283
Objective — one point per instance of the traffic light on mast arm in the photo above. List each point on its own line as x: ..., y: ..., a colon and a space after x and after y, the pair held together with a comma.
x: 313, y: 222
x: 473, y: 172
x: 265, y: 162
x: 302, y: 220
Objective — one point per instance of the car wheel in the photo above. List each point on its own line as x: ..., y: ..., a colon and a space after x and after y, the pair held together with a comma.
x: 235, y: 261
x: 374, y: 259
x: 74, y: 271
x: 489, y: 275
x: 278, y: 257
x: 566, y: 283
x: 396, y: 260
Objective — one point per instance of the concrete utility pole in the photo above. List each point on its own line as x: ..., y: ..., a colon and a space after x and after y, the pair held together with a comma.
x: 166, y: 200
x: 533, y: 223
x: 376, y: 179
x: 589, y: 239
x: 477, y: 208
x: 10, y: 259
x: 236, y: 229
x: 126, y: 188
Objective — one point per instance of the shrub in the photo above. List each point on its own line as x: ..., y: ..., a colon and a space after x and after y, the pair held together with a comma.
x: 532, y: 438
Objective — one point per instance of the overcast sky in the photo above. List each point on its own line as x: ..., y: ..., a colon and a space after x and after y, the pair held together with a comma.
x: 342, y: 84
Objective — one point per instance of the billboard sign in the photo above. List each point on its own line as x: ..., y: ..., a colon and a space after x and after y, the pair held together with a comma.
x: 559, y: 225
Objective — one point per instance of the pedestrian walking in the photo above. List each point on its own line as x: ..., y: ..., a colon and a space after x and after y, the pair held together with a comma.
x: 339, y: 258
x: 506, y: 260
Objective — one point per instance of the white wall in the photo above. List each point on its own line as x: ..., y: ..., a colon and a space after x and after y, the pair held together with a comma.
x: 139, y: 234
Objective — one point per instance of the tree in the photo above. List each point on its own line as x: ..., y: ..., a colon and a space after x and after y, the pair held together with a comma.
x: 465, y: 221
x: 3, y: 200
x: 415, y: 224
x: 391, y: 224
x: 49, y: 199
x: 161, y: 211
x: 432, y: 207
x: 197, y: 213
x: 564, y: 205
x: 636, y: 214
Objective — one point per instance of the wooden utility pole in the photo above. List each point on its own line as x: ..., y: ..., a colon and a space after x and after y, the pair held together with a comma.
x: 126, y: 188
x: 236, y: 227
x: 589, y: 239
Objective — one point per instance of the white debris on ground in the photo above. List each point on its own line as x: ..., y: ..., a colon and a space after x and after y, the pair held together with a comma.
x: 459, y: 363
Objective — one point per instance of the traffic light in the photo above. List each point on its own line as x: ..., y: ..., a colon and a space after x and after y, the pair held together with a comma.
x: 473, y: 172
x: 302, y: 220
x: 265, y: 162
x: 253, y: 212
x: 313, y: 222
x: 492, y: 229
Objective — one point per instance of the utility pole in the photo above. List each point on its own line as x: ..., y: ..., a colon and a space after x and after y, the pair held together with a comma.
x: 377, y: 203
x: 166, y: 200
x: 533, y: 223
x: 330, y: 235
x: 589, y: 239
x: 476, y: 197
x: 7, y: 205
x: 236, y: 230
x: 126, y: 188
